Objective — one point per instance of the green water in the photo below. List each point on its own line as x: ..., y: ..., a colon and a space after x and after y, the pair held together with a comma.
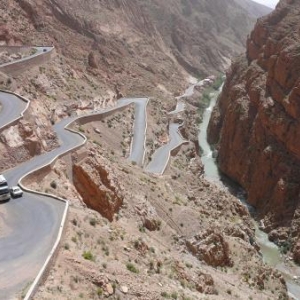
x: 270, y: 252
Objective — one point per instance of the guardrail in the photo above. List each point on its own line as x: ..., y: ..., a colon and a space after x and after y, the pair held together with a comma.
x: 80, y: 120
x: 17, y: 67
x: 11, y: 68
x: 15, y: 121
x: 14, y: 68
x: 41, y: 274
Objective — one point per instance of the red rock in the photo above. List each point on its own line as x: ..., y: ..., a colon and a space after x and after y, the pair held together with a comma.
x: 255, y: 124
x: 98, y: 186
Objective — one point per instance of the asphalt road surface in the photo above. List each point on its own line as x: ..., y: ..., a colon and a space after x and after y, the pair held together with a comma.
x: 32, y: 221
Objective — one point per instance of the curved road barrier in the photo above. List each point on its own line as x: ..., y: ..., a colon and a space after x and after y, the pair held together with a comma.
x: 35, y: 222
x: 180, y: 106
x: 41, y: 55
x: 161, y: 156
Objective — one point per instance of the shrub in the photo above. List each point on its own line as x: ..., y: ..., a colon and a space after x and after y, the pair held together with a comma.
x: 105, y: 249
x: 152, y: 249
x: 188, y: 265
x: 88, y: 255
x: 174, y: 295
x: 218, y: 82
x: 132, y: 268
x: 53, y: 184
x: 164, y: 294
x: 142, y: 229
x: 99, y: 291
x: 93, y: 221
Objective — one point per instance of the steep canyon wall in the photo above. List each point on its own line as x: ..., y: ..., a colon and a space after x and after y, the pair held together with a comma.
x: 256, y: 127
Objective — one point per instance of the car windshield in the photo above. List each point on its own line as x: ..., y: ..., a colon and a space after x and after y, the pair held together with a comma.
x: 3, y: 191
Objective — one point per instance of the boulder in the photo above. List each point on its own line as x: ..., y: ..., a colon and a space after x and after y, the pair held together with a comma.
x: 205, y: 284
x: 98, y: 186
x: 211, y: 247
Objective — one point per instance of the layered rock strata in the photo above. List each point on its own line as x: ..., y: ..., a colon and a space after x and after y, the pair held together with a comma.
x: 255, y: 124
x: 98, y: 187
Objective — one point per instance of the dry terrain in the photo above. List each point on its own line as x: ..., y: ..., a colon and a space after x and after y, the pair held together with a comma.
x: 131, y: 235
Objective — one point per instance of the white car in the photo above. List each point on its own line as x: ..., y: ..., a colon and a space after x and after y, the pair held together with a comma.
x: 15, y: 192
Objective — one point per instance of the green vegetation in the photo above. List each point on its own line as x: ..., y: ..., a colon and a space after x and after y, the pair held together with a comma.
x: 142, y: 229
x: 132, y: 268
x: 33, y: 51
x: 93, y: 222
x: 218, y: 82
x: 285, y: 247
x: 164, y: 294
x: 206, y: 96
x: 174, y: 295
x: 99, y: 291
x: 88, y: 255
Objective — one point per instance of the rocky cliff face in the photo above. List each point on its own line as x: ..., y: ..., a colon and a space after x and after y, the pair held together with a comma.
x: 199, y: 35
x: 256, y: 122
x: 97, y: 185
x: 109, y: 49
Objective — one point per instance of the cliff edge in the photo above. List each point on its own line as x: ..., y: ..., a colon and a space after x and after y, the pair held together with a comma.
x: 255, y: 124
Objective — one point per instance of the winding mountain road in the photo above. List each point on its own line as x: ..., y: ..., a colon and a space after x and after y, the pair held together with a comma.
x: 32, y: 222
x: 11, y: 108
x: 161, y: 156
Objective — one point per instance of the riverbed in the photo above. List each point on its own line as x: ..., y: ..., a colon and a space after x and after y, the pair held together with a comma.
x: 270, y: 252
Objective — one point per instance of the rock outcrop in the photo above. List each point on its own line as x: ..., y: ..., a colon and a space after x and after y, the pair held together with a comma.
x: 205, y: 284
x: 255, y: 124
x: 149, y: 216
x: 166, y: 31
x: 211, y: 247
x: 97, y: 185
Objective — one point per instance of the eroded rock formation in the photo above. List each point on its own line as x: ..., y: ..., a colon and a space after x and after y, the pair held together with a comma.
x: 98, y: 186
x: 211, y: 247
x: 255, y: 124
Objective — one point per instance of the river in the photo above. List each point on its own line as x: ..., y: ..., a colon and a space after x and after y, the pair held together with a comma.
x: 270, y: 252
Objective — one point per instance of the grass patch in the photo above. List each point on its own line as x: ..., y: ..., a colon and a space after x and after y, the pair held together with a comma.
x: 88, y: 256
x: 132, y: 268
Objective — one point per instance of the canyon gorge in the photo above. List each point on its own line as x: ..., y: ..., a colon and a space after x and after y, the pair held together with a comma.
x: 255, y: 124
x: 130, y: 233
